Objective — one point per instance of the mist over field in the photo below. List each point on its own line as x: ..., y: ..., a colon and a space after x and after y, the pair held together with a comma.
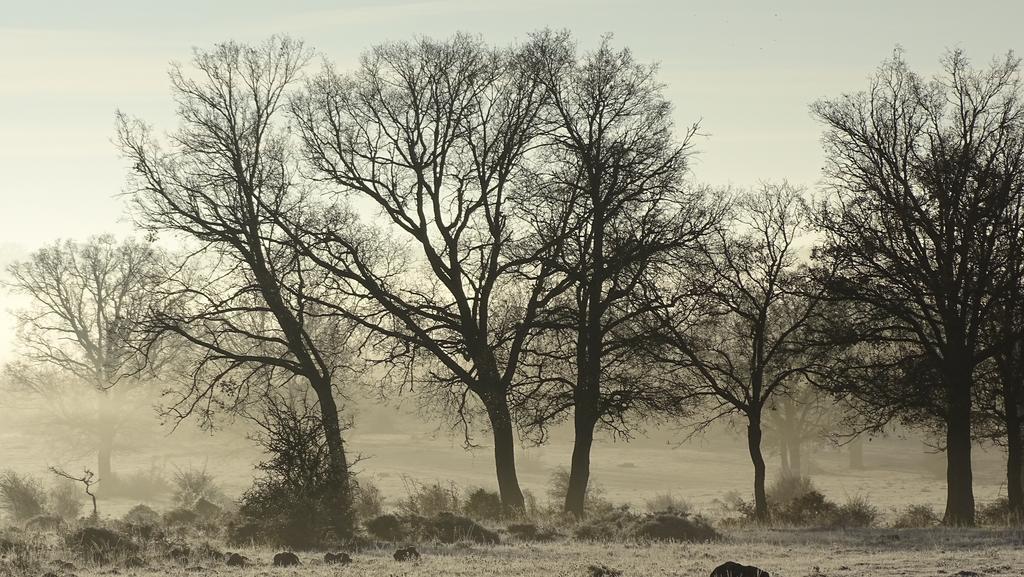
x: 459, y: 287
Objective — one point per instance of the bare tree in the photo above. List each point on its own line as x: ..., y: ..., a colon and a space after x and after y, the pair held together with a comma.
x: 437, y: 137
x: 245, y: 300
x: 85, y: 301
x: 87, y: 479
x: 920, y: 176
x: 735, y: 329
x: 617, y: 172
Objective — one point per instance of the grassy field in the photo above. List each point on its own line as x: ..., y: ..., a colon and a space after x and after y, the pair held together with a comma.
x: 868, y: 553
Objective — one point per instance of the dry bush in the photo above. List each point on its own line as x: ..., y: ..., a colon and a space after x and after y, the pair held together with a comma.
x: 21, y: 496
x: 916, y: 517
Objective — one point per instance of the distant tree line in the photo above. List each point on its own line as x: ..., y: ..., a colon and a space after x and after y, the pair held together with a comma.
x: 513, y: 235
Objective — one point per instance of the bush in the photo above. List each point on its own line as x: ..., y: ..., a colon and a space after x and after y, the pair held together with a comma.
x: 444, y: 527
x: 180, y: 517
x: 41, y: 523
x: 429, y: 500
x: 388, y: 528
x: 368, y: 500
x: 141, y: 515
x: 811, y: 508
x: 667, y: 502
x: 483, y: 504
x: 998, y: 513
x: 531, y: 532
x: 671, y: 526
x: 21, y: 496
x: 451, y: 528
x: 616, y: 524
x: 206, y: 510
x: 100, y: 544
x: 191, y: 485
x: 295, y: 501
x: 915, y: 516
x: 787, y: 488
x: 66, y: 499
x: 855, y: 513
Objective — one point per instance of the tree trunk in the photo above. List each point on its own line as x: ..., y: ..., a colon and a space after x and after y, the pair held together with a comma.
x: 959, y: 477
x: 857, y: 453
x: 1014, y: 451
x: 505, y: 453
x: 754, y: 445
x: 796, y: 463
x: 342, y: 514
x: 106, y: 449
x: 579, y: 472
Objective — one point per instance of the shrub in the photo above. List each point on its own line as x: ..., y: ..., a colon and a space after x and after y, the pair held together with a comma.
x: 206, y: 510
x: 428, y: 500
x: 855, y: 512
x: 671, y: 526
x: 141, y: 515
x: 295, y: 501
x: 998, y: 513
x: 65, y: 499
x: 368, y: 500
x: 21, y: 496
x: 616, y: 524
x: 787, y: 488
x: 180, y: 517
x: 531, y: 532
x: 191, y: 485
x: 667, y: 502
x: 811, y: 508
x: 387, y: 528
x: 483, y: 504
x: 100, y: 544
x: 451, y: 528
x: 44, y: 523
x: 915, y: 516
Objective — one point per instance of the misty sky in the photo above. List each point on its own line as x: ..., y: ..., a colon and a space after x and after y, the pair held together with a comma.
x: 747, y: 69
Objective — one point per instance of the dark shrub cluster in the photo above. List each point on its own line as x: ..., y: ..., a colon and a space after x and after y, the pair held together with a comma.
x: 915, y: 517
x: 101, y: 544
x: 21, y: 496
x: 444, y: 527
x: 661, y: 526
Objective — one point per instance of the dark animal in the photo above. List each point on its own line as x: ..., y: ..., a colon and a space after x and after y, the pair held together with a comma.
x: 236, y: 560
x: 407, y: 554
x: 286, y: 559
x: 731, y: 569
x: 337, y: 558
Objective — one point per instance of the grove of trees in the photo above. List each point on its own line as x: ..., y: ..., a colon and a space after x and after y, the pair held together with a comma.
x: 513, y: 236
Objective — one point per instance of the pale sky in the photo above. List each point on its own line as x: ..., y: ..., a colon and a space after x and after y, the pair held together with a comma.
x: 748, y: 69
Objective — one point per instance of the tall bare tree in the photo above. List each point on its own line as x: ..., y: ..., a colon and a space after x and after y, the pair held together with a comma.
x: 735, y: 329
x: 618, y: 170
x: 245, y: 299
x: 436, y: 137
x: 920, y: 175
x: 85, y: 301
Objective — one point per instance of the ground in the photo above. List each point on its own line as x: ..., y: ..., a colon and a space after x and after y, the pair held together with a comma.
x: 877, y: 552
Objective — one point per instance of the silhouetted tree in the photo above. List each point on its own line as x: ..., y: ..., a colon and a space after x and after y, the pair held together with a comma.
x: 244, y: 299
x: 436, y: 137
x: 920, y: 175
x: 735, y: 325
x: 85, y: 302
x: 617, y: 173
